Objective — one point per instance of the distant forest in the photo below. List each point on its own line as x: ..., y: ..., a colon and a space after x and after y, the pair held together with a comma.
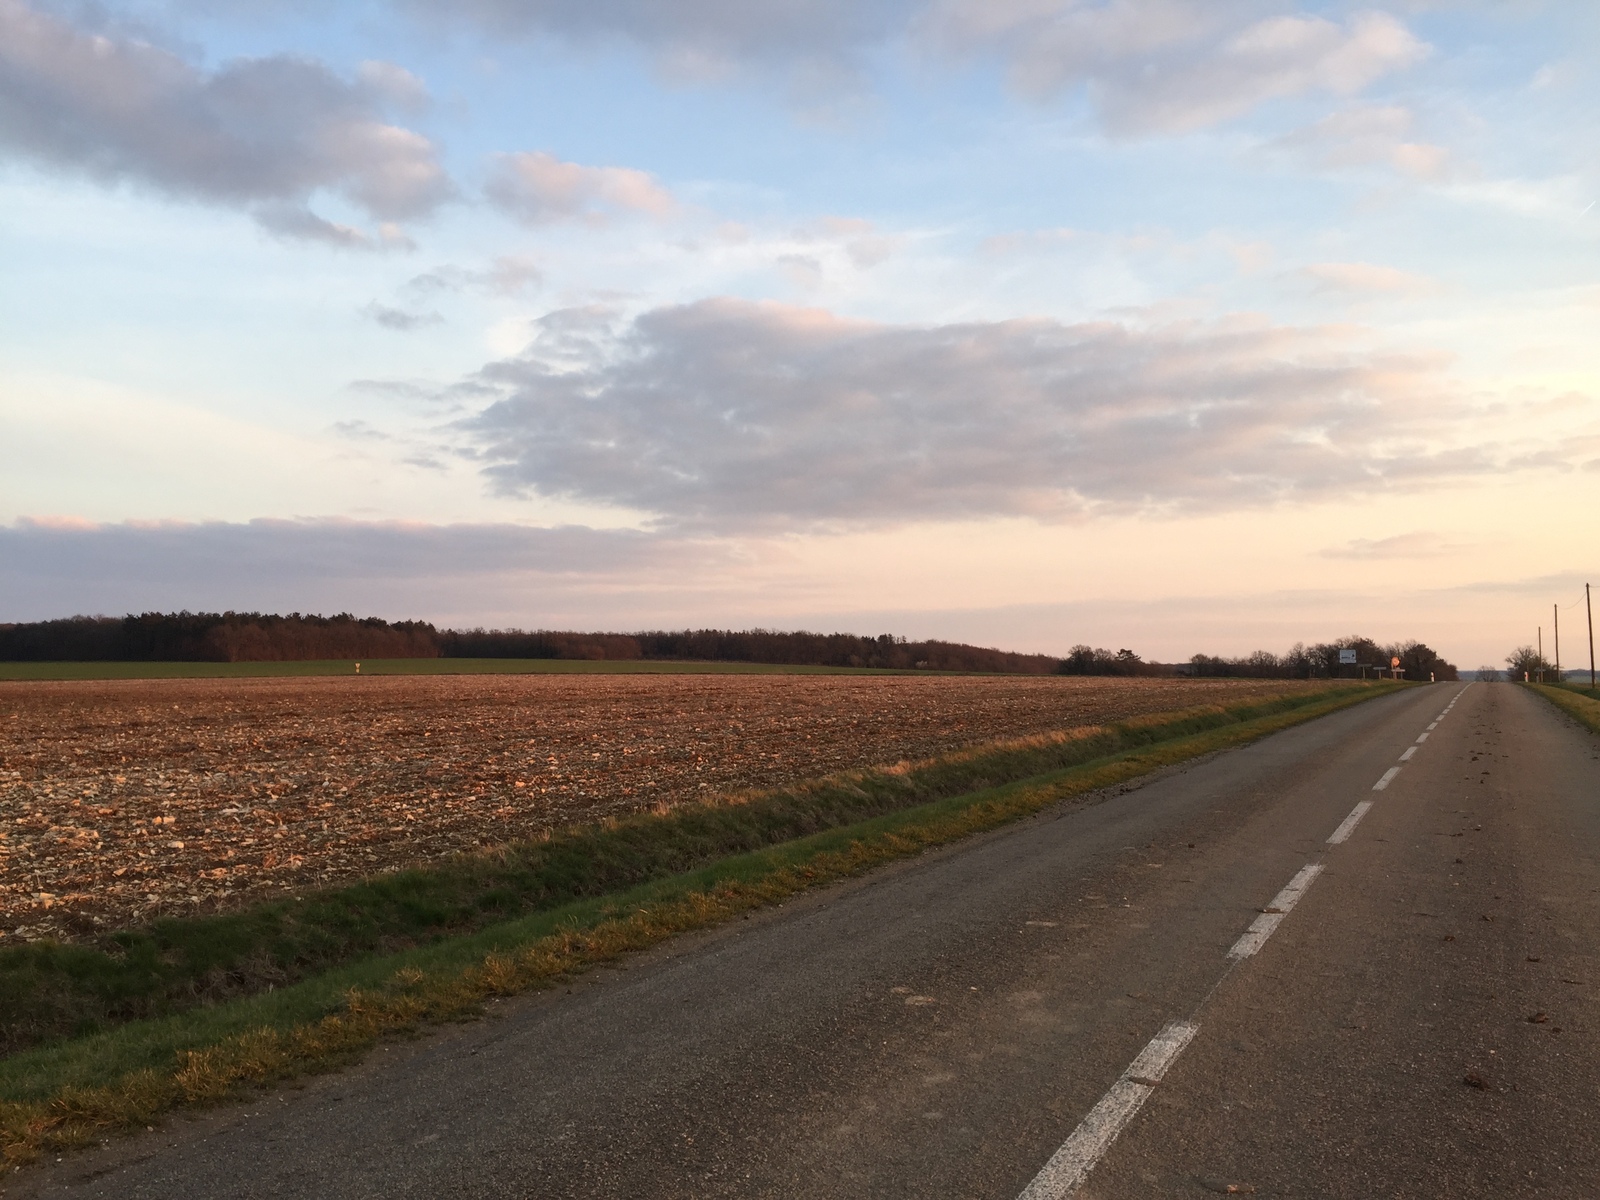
x: 264, y: 637
x: 267, y: 637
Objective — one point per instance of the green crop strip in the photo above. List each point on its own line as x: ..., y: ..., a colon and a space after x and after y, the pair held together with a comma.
x: 587, y: 897
x: 25, y: 671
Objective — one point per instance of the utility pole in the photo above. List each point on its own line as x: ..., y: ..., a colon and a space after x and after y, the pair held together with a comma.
x: 1541, y: 654
x: 1556, y: 609
x: 1590, y: 609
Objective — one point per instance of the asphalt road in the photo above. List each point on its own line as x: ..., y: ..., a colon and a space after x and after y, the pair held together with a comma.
x: 1421, y: 1020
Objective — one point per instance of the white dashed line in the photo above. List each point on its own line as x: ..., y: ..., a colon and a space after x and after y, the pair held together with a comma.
x: 1348, y: 825
x: 1272, y: 916
x: 1423, y: 736
x: 1064, y: 1174
x: 1070, y: 1166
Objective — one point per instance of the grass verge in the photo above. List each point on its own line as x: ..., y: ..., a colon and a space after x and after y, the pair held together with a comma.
x: 67, y: 1093
x: 1578, y: 702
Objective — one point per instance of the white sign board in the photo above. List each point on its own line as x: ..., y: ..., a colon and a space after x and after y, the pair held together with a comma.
x: 1347, y: 657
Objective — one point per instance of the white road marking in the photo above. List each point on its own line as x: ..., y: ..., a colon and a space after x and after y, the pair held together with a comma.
x: 1069, y: 1166
x: 1263, y: 926
x: 1064, y: 1174
x: 1348, y: 825
x: 1423, y: 736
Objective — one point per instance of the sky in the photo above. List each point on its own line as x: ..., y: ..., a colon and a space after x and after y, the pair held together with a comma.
x: 1180, y: 325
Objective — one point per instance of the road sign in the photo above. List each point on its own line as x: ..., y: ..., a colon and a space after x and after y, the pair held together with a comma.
x: 1347, y: 658
x: 1394, y: 662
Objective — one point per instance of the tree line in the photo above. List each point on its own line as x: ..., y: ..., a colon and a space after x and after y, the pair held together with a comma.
x: 215, y: 637
x: 1320, y: 661
x: 269, y: 637
x: 1527, y: 662
x: 770, y: 646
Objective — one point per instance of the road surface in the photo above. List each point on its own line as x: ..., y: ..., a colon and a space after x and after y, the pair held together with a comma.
x: 1182, y: 990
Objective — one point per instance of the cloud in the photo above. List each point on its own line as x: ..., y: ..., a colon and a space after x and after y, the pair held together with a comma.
x: 803, y: 271
x: 399, y: 319
x: 1372, y: 135
x: 51, y: 568
x: 1151, y: 65
x: 287, y: 221
x: 862, y: 243
x: 505, y: 276
x: 537, y: 189
x: 394, y: 83
x: 1361, y: 278
x: 1165, y: 66
x: 726, y: 413
x: 725, y: 30
x: 815, y: 46
x: 1402, y: 545
x: 1027, y: 241
x: 263, y: 134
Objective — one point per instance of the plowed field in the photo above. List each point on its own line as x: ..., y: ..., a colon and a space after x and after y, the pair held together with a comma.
x: 121, y: 800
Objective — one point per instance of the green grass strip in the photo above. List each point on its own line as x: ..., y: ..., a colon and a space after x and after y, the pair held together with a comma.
x: 1579, y: 703
x: 22, y: 671
x: 67, y: 1093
